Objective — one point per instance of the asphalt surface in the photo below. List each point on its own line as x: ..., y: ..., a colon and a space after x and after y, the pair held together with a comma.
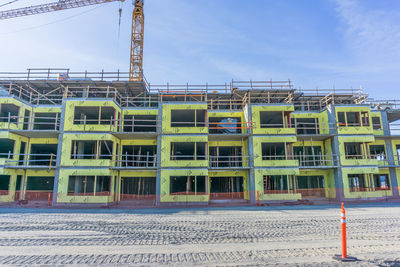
x: 235, y: 236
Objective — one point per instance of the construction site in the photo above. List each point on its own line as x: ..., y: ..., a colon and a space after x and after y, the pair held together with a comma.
x: 98, y: 138
x: 115, y: 139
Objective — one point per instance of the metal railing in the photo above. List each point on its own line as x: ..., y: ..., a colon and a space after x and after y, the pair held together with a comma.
x: 317, y: 160
x: 48, y: 160
x: 189, y: 157
x: 136, y: 161
x: 91, y: 156
x: 230, y: 127
x: 228, y: 161
x: 32, y: 123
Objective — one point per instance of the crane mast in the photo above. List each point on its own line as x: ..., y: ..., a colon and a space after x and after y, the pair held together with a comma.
x: 136, y: 53
x: 136, y: 62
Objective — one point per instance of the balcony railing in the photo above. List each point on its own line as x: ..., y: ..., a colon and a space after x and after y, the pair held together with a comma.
x: 32, y: 123
x: 317, y: 160
x: 136, y: 161
x: 48, y: 160
x: 306, y: 160
x: 228, y: 161
x: 230, y: 127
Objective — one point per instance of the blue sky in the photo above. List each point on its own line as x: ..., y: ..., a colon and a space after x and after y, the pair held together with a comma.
x: 315, y: 43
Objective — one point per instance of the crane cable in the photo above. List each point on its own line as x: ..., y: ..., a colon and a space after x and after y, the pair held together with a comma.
x: 8, y: 3
x: 53, y: 22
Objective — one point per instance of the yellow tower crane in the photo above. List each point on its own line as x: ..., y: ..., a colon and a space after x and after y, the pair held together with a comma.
x: 136, y: 56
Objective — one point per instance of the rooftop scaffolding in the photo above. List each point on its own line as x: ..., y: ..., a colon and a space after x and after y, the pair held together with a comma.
x: 50, y: 86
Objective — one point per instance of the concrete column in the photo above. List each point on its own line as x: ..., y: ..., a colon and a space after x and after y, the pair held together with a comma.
x: 59, y: 151
x: 338, y: 176
x: 252, y: 183
x: 158, y: 158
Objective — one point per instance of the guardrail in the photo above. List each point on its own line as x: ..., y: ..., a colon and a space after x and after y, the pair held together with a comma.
x: 228, y: 161
x: 32, y: 123
x: 136, y: 161
x: 33, y: 160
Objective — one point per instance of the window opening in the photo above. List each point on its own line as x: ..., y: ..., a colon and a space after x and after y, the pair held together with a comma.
x: 6, y: 148
x: 377, y: 152
x: 223, y: 125
x: 4, y: 184
x: 9, y: 110
x: 40, y: 154
x: 188, y: 118
x: 271, y: 119
x: 187, y: 185
x: 273, y: 151
x: 307, y: 125
x: 376, y: 123
x: 381, y: 182
x: 45, y: 121
x: 353, y: 150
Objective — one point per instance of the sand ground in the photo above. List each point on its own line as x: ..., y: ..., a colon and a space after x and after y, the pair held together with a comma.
x: 234, y: 236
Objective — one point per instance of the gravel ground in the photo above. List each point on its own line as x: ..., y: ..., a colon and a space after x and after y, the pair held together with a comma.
x: 256, y: 236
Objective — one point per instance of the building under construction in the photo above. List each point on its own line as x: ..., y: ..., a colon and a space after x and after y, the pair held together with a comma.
x: 85, y: 138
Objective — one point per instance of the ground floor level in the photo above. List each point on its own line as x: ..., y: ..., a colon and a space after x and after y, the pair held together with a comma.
x: 198, y: 186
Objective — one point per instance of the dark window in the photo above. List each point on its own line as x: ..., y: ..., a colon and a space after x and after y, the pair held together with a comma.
x: 353, y: 119
x: 187, y: 185
x: 309, y: 155
x: 381, y: 182
x: 226, y: 156
x: 107, y: 115
x: 273, y: 151
x: 188, y: 118
x: 43, y: 154
x: 81, y: 185
x: 376, y: 123
x: 6, y: 148
x: 271, y: 119
x: 357, y: 182
x: 21, y: 157
x: 307, y: 125
x: 94, y: 115
x: 223, y: 125
x: 4, y: 184
x: 377, y: 152
x: 138, y: 188
x: 106, y: 149
x: 226, y: 187
x: 83, y: 149
x: 186, y: 150
x: 9, y: 110
x: 275, y: 184
x: 140, y: 123
x: 103, y: 185
x: 341, y: 119
x: 40, y: 183
x: 46, y: 121
x: 138, y: 156
x: 86, y: 115
x: 353, y: 150
x: 365, y: 118
x: 26, y: 119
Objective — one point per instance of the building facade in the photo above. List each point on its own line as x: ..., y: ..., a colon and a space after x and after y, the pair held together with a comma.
x: 104, y: 140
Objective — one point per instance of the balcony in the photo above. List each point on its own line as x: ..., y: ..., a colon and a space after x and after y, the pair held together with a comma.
x: 32, y: 161
x: 317, y: 161
x: 38, y: 126
x: 125, y: 161
x: 228, y: 162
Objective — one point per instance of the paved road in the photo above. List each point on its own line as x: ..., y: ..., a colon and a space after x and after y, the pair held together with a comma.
x: 232, y: 236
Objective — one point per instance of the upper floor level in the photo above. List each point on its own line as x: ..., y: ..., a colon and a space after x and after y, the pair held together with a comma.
x: 47, y: 100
